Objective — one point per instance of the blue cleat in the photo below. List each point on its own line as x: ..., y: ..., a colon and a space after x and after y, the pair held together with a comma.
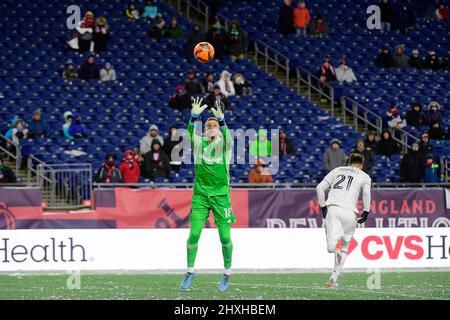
x: 186, y: 283
x: 223, y: 286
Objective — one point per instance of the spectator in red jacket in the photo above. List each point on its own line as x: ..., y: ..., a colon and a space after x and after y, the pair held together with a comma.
x: 301, y: 18
x: 129, y: 167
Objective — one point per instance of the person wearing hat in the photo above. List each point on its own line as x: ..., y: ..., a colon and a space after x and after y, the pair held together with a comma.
x: 76, y: 129
x: 259, y: 174
x: 411, y: 165
x: 432, y: 61
x: 38, y: 128
x: 415, y: 60
x: 180, y: 100
x: 387, y: 146
x: 69, y: 73
x: 217, y: 95
x: 415, y: 117
x: 7, y: 175
x: 147, y: 141
x: 425, y: 147
x: 108, y: 173
x: 433, y: 113
x: 156, y: 162
x: 68, y: 118
x: 384, y: 59
x: 129, y: 167
x: 344, y: 73
x: 89, y: 70
x: 226, y: 85
x: 192, y: 85
x: 334, y: 156
x: 108, y: 73
x: 400, y: 59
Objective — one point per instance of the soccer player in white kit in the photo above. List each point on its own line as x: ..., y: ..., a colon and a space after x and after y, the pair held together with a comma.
x: 339, y: 210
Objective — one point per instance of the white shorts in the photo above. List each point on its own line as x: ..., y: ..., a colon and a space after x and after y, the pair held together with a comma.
x: 340, y: 224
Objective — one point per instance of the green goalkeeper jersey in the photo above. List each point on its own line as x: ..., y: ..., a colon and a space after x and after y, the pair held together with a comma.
x: 212, y: 161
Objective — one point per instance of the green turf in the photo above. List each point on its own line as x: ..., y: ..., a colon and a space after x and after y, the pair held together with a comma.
x: 394, y: 285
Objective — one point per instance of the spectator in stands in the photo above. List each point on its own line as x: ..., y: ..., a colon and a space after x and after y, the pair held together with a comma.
x: 286, y: 18
x: 415, y: 116
x: 156, y: 162
x: 432, y: 170
x: 437, y: 132
x: 387, y: 146
x: 157, y: 31
x: 415, y: 60
x: 132, y: 12
x: 173, y: 146
x: 101, y: 35
x: 197, y: 35
x: 89, y: 70
x: 326, y: 73
x: 174, y: 31
x: 241, y: 85
x: 261, y: 147
x: 285, y: 144
x: 208, y: 82
x: 180, y: 100
x: 400, y: 59
x: 217, y: 95
x: 433, y: 114
x: 236, y: 41
x: 85, y: 31
x: 6, y: 174
x: 150, y: 10
x: 371, y: 142
x: 192, y: 85
x: 301, y: 18
x: 344, y: 73
x: 259, y: 174
x: 442, y: 12
x: 405, y: 16
x: 432, y: 61
x: 411, y: 165
x: 68, y: 118
x: 319, y: 27
x: 108, y: 173
x: 425, y: 147
x: 387, y: 15
x: 384, y: 59
x: 394, y: 119
x: 108, y: 73
x: 17, y: 131
x: 129, y: 168
x: 369, y: 159
x: 334, y: 156
x: 217, y: 37
x: 225, y: 84
x: 147, y: 140
x: 69, y: 73
x: 38, y: 127
x: 76, y: 129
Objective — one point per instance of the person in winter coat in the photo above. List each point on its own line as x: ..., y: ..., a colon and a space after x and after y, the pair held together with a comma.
x: 432, y: 170
x: 302, y: 18
x: 387, y: 146
x: 108, y: 173
x: 425, y: 147
x: 412, y: 165
x: 433, y: 114
x: 393, y: 118
x: 147, y: 140
x: 173, y: 149
x: 180, y: 100
x: 69, y: 73
x: 326, y: 74
x: 286, y: 18
x: 76, y: 129
x: 192, y: 85
x: 241, y: 85
x: 208, y: 82
x: 129, y: 168
x: 68, y: 118
x: 158, y: 30
x: 38, y: 128
x: 89, y: 70
x: 259, y: 174
x: 217, y: 95
x: 156, y: 162
x: 132, y: 12
x: 150, y: 10
x: 285, y: 145
x: 344, y: 73
x: 226, y: 85
x: 369, y: 159
x: 6, y: 174
x: 101, y: 35
x: 400, y: 59
x: 174, y: 31
x: 437, y: 132
x: 387, y: 15
x: 319, y: 27
x: 370, y: 142
x: 415, y: 116
x: 384, y: 59
x: 415, y: 60
x: 85, y: 31
x: 108, y: 73
x: 432, y: 61
x: 17, y: 131
x: 334, y: 156
x: 236, y: 41
x: 197, y: 35
x: 217, y: 37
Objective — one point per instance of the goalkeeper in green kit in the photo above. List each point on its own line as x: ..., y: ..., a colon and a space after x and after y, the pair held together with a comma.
x: 212, y: 156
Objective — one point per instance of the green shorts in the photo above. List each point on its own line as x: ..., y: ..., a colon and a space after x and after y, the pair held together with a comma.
x: 219, y: 205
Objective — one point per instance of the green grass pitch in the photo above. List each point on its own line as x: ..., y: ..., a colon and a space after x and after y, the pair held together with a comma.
x: 298, y: 286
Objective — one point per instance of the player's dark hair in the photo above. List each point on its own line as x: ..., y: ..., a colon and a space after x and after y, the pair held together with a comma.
x: 355, y: 158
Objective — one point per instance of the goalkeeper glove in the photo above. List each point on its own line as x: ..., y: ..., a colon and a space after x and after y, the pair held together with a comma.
x: 218, y: 110
x: 197, y: 109
x: 364, y: 216
x: 324, y: 211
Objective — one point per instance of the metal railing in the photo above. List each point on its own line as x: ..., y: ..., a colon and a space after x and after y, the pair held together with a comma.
x: 271, y: 55
x: 17, y: 156
x: 359, y: 112
x: 445, y: 169
x: 314, y: 84
x: 199, y: 7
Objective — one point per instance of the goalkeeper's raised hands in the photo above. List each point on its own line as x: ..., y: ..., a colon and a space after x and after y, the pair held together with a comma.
x: 197, y: 107
x: 218, y: 110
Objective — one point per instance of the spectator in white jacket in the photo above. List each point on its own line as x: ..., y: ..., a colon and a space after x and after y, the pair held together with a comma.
x: 107, y: 73
x: 344, y: 73
x: 225, y: 84
x: 147, y: 140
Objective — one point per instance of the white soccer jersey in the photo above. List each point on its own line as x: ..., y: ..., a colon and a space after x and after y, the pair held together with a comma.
x: 345, y: 186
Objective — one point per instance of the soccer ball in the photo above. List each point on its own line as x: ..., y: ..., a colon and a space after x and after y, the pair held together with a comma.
x: 204, y: 52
